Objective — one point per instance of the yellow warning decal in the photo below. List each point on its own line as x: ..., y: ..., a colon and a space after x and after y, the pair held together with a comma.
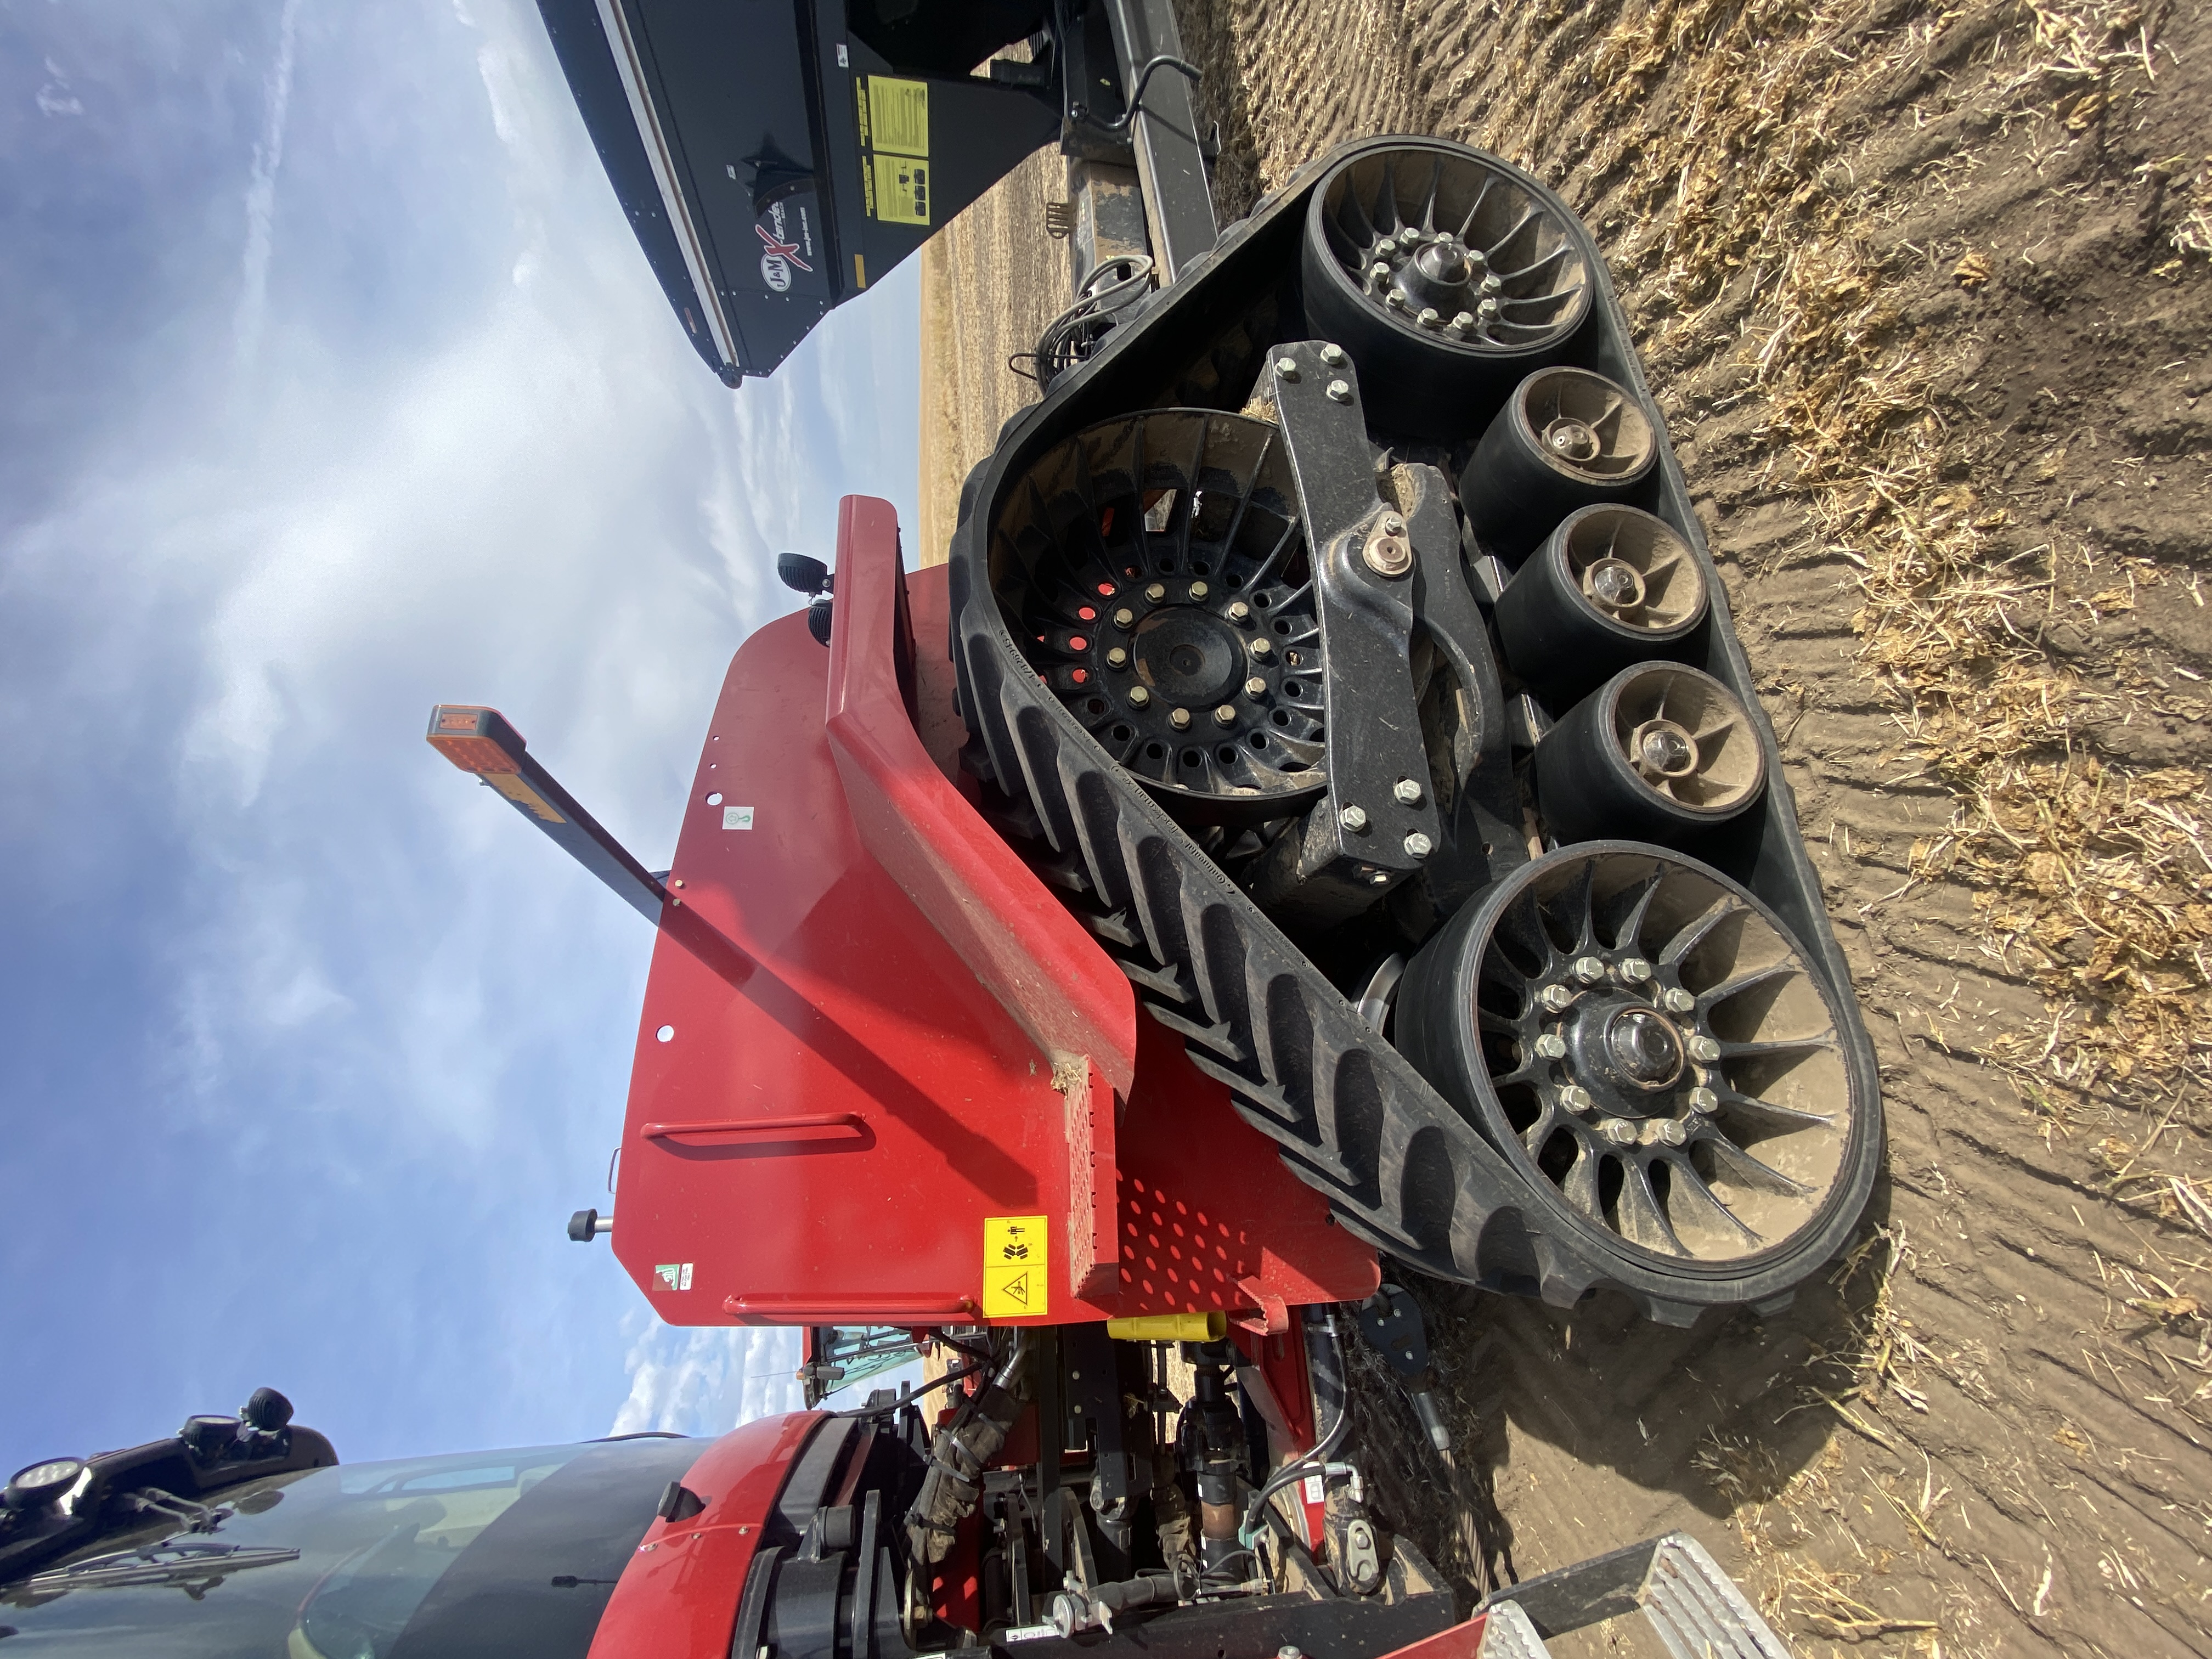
x: 898, y: 116
x: 1016, y: 1266
x: 899, y: 190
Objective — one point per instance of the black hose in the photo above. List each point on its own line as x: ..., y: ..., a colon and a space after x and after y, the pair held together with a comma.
x: 1318, y: 1457
x: 908, y: 1399
x: 1188, y: 71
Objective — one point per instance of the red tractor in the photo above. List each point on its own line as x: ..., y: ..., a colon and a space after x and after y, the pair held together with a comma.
x: 1319, y: 819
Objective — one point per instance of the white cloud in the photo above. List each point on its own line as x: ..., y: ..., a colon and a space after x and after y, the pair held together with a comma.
x: 261, y: 191
x: 708, y: 1381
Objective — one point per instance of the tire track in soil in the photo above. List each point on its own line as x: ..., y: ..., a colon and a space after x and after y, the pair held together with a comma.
x: 1962, y: 1438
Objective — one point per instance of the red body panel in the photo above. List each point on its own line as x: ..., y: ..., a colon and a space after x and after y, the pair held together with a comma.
x: 857, y: 1074
x: 677, y: 1597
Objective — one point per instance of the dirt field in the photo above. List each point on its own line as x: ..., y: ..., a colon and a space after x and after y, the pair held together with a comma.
x: 1926, y: 296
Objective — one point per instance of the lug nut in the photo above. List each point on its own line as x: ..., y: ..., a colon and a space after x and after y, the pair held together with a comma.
x: 1635, y: 969
x: 1463, y: 322
x: 1703, y: 1100
x: 1671, y: 1132
x: 1198, y: 591
x: 1394, y: 300
x: 1679, y: 1001
x: 1486, y: 310
x: 1117, y: 657
x: 1288, y: 367
x: 1418, y: 846
x: 1156, y: 592
x: 1225, y: 715
x: 1557, y: 998
x: 1179, y: 719
x: 1576, y: 1098
x: 1552, y: 1046
x: 1239, y: 611
x: 1380, y: 270
x: 1620, y: 1131
x: 1339, y: 392
x: 1333, y: 355
x: 1430, y: 316
x: 1408, y: 792
x: 1353, y: 818
x: 1589, y: 970
x: 1124, y: 617
x: 1704, y: 1050
x: 1262, y: 647
x: 1255, y: 688
x: 1138, y: 696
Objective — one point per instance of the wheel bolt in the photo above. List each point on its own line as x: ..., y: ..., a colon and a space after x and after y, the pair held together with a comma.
x: 1487, y: 309
x: 1288, y: 367
x: 1430, y: 316
x: 1138, y: 696
x: 1463, y: 322
x: 1576, y: 1098
x: 1393, y: 524
x: 1394, y: 300
x: 1353, y: 818
x: 1380, y: 270
x: 1557, y: 998
x: 1552, y: 1046
x: 1124, y: 617
x: 1491, y: 282
x: 1255, y: 688
x: 1589, y: 970
x: 1671, y: 1132
x: 1239, y: 611
x: 1634, y: 969
x: 1225, y: 715
x: 1418, y: 846
x: 1198, y: 591
x: 1117, y: 657
x: 1704, y: 1050
x: 1179, y: 719
x: 1339, y: 392
x: 1333, y: 355
x: 1679, y: 1001
x: 1408, y: 792
x: 1703, y: 1100
x: 1156, y: 592
x: 1262, y: 647
x: 1620, y: 1131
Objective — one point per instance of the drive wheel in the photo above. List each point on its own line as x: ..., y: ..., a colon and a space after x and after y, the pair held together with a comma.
x: 1155, y: 574
x: 1655, y: 1054
x: 1446, y: 273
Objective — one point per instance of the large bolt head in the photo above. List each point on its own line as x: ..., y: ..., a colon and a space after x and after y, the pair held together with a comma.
x: 1634, y: 969
x: 1157, y: 593
x: 1418, y: 846
x: 1620, y: 1131
x: 1198, y: 591
x: 1255, y: 688
x: 1239, y: 611
x: 1408, y: 792
x: 1704, y: 1050
x: 1394, y: 300
x: 1670, y: 1132
x: 1557, y: 998
x: 1353, y: 818
x: 1703, y: 1100
x: 1576, y: 1098
x: 1589, y: 970
x: 1339, y: 392
x: 1679, y: 1001
x: 1288, y: 367
x: 1225, y: 715
x: 1179, y: 719
x: 1117, y: 657
x: 1552, y: 1046
x: 1430, y: 316
x: 1138, y: 697
x: 1463, y: 322
x: 1333, y: 355
x: 1263, y: 646
x: 1125, y: 618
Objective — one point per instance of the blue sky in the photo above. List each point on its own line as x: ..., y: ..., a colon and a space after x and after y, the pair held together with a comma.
x: 337, y: 387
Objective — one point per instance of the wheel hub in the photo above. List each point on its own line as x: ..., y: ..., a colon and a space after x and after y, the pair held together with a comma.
x: 1572, y: 439
x: 1615, y: 584
x: 1626, y: 1052
x: 1663, y: 749
x: 1190, y: 657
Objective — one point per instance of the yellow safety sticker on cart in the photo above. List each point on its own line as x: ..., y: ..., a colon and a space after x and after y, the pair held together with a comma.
x: 898, y: 116
x: 1016, y: 1266
x: 900, y: 190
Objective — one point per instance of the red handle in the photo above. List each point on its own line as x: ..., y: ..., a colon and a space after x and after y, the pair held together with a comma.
x: 806, y: 1310
x: 764, y: 1131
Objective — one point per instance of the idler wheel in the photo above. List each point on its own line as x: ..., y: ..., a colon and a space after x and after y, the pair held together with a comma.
x: 1446, y: 273
x: 1655, y: 1055
x: 1659, y: 752
x: 1610, y: 586
x: 1567, y: 438
x: 1155, y: 574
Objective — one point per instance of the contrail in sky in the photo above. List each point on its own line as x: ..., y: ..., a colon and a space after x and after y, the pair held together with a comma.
x: 261, y: 193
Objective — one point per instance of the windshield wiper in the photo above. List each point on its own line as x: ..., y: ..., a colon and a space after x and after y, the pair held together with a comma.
x: 193, y: 1565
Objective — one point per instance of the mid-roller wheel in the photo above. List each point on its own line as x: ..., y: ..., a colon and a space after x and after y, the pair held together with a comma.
x: 1567, y: 438
x: 1656, y: 1056
x: 1659, y: 752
